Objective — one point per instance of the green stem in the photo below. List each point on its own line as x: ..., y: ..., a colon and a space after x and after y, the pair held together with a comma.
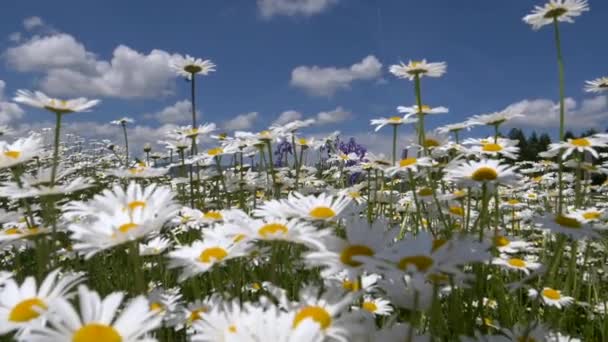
x: 560, y: 65
x: 420, y: 113
x: 56, y: 148
x: 124, y: 130
x: 394, y: 144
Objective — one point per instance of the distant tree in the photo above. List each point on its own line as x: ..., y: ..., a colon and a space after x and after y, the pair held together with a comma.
x: 569, y: 135
x: 543, y: 142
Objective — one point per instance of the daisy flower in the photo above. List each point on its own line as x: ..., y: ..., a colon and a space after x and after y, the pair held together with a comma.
x: 496, y: 118
x: 514, y: 263
x: 20, y: 151
x: 424, y: 109
x: 457, y: 127
x: 189, y: 66
x: 418, y: 69
x: 411, y: 164
x: 568, y: 225
x: 587, y: 215
x: 581, y: 145
x: 117, y: 216
x: 270, y: 229
x: 490, y: 148
x: 40, y: 100
x: 598, y: 85
x: 10, y: 235
x: 343, y: 255
x: 552, y: 297
x: 324, y: 311
x: 375, y: 306
x: 393, y: 120
x: 323, y: 207
x: 156, y: 246
x: 556, y: 10
x: 139, y: 170
x: 426, y: 255
x: 122, y: 121
x: 506, y: 244
x: 476, y: 173
x: 200, y: 256
x: 98, y: 319
x: 23, y: 305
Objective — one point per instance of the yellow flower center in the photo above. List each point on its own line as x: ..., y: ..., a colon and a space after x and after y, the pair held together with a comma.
x: 12, y: 154
x: 580, y: 142
x: 516, y: 262
x: 213, y: 215
x: 568, y: 222
x: 456, y: 210
x: 501, y: 241
x: 264, y: 135
x: 407, y: 162
x: 11, y: 231
x: 459, y: 193
x: 552, y: 294
x: 212, y: 254
x: 513, y: 201
x: 395, y: 119
x: 369, y: 306
x: 429, y: 143
x: 491, y: 148
x: 484, y: 174
x: 136, y: 204
x: 354, y: 250
x: 127, y: 227
x: 555, y: 11
x: 256, y: 286
x: 196, y: 314
x: 95, y: 332
x: 273, y: 229
x: 425, y: 192
x: 421, y: 262
x: 239, y: 237
x: 303, y: 141
x: 215, y: 151
x: 438, y: 243
x: 155, y: 306
x: 322, y: 213
x: 592, y: 215
x: 351, y: 285
x: 193, y: 68
x: 135, y: 170
x: 316, y: 313
x: 232, y: 328
x: 27, y: 310
x: 424, y: 108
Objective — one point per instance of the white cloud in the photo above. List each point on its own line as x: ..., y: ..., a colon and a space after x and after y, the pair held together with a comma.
x: 333, y: 116
x: 138, y: 134
x: 269, y: 8
x: 70, y: 70
x: 56, y: 51
x: 15, y: 37
x: 544, y: 113
x: 326, y: 81
x: 32, y: 22
x: 287, y: 117
x: 242, y: 121
x: 9, y: 111
x: 178, y: 113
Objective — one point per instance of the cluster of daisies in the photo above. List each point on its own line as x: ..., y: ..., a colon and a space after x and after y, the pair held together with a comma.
x: 279, y: 236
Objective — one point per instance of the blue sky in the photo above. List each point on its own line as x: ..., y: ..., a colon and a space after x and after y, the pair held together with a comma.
x: 493, y: 58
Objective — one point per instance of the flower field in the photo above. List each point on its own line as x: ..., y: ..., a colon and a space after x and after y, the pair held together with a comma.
x: 282, y: 236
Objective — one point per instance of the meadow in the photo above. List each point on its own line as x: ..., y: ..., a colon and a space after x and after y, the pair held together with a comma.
x: 281, y: 236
